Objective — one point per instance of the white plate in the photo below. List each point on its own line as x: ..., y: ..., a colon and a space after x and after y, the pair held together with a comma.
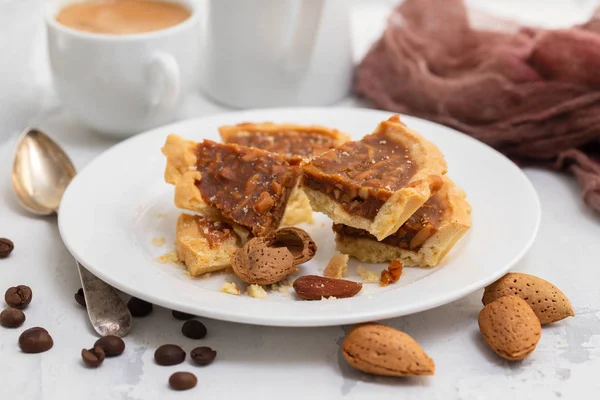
x: 119, y: 203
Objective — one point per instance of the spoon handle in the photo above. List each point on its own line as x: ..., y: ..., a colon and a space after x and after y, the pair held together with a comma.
x: 107, y: 312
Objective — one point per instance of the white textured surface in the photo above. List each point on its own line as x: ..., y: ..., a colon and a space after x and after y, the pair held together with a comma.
x: 258, y: 362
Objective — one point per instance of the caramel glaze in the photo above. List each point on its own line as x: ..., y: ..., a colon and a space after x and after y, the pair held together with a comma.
x: 361, y: 175
x: 248, y: 186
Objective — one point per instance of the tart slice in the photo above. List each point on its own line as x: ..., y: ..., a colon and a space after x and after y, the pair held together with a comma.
x: 377, y: 183
x: 247, y: 186
x: 297, y: 142
x: 204, y: 245
x: 422, y: 241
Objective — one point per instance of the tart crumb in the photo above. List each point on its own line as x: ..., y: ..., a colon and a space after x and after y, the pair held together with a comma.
x: 256, y: 291
x: 158, y: 241
x: 366, y: 275
x: 161, y: 215
x: 230, y: 288
x: 169, y: 258
x: 283, y: 286
x: 337, y: 266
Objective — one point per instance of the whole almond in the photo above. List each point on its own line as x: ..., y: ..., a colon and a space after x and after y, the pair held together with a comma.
x: 381, y: 350
x: 546, y: 300
x: 510, y: 327
x: 256, y: 263
x: 315, y: 287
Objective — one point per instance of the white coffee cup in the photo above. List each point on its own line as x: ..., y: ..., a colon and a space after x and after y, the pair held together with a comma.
x: 273, y: 53
x: 120, y: 85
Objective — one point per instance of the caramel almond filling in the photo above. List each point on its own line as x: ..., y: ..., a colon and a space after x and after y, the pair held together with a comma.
x: 362, y: 175
x: 294, y: 145
x: 423, y: 224
x: 215, y: 232
x: 248, y: 186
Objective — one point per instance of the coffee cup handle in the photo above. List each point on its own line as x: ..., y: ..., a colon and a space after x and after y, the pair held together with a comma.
x: 164, y: 82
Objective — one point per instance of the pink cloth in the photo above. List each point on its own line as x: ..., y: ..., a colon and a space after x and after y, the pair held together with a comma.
x: 532, y: 94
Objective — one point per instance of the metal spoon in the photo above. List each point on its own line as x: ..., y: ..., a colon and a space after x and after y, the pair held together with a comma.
x: 40, y: 175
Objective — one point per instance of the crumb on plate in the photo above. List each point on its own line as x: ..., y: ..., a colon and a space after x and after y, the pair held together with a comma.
x: 329, y: 298
x: 337, y: 266
x: 256, y: 291
x: 158, y: 241
x: 230, y: 288
x: 169, y: 258
x: 366, y: 275
x: 283, y: 286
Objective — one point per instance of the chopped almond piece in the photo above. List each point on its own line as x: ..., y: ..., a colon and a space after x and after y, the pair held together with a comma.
x: 264, y: 203
x: 395, y: 269
x: 386, y: 278
x: 391, y: 274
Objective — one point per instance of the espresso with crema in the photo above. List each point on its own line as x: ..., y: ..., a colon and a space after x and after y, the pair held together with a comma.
x: 122, y: 17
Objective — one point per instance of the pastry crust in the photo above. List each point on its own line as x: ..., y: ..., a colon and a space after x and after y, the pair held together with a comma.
x: 455, y: 223
x: 197, y: 252
x: 181, y: 172
x: 430, y: 168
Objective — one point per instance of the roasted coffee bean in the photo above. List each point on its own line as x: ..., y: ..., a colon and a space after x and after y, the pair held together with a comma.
x: 182, y: 380
x: 12, y: 318
x: 80, y: 297
x: 18, y: 296
x: 203, y: 355
x: 112, y: 345
x: 181, y: 315
x: 169, y: 354
x: 138, y: 307
x: 193, y: 329
x: 6, y: 247
x: 93, y: 357
x: 35, y: 340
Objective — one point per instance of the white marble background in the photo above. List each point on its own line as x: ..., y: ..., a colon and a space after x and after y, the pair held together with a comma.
x: 259, y: 362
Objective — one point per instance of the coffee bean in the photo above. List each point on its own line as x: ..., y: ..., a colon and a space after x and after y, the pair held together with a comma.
x: 12, y: 318
x: 6, y: 247
x: 193, y: 329
x: 18, y: 296
x: 35, y: 340
x: 181, y: 315
x: 203, y: 355
x: 80, y: 297
x: 183, y: 380
x: 93, y: 357
x: 138, y: 307
x: 112, y: 345
x: 169, y: 354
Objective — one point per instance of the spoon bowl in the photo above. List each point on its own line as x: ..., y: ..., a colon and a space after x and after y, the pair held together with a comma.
x: 40, y: 175
x: 41, y: 172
